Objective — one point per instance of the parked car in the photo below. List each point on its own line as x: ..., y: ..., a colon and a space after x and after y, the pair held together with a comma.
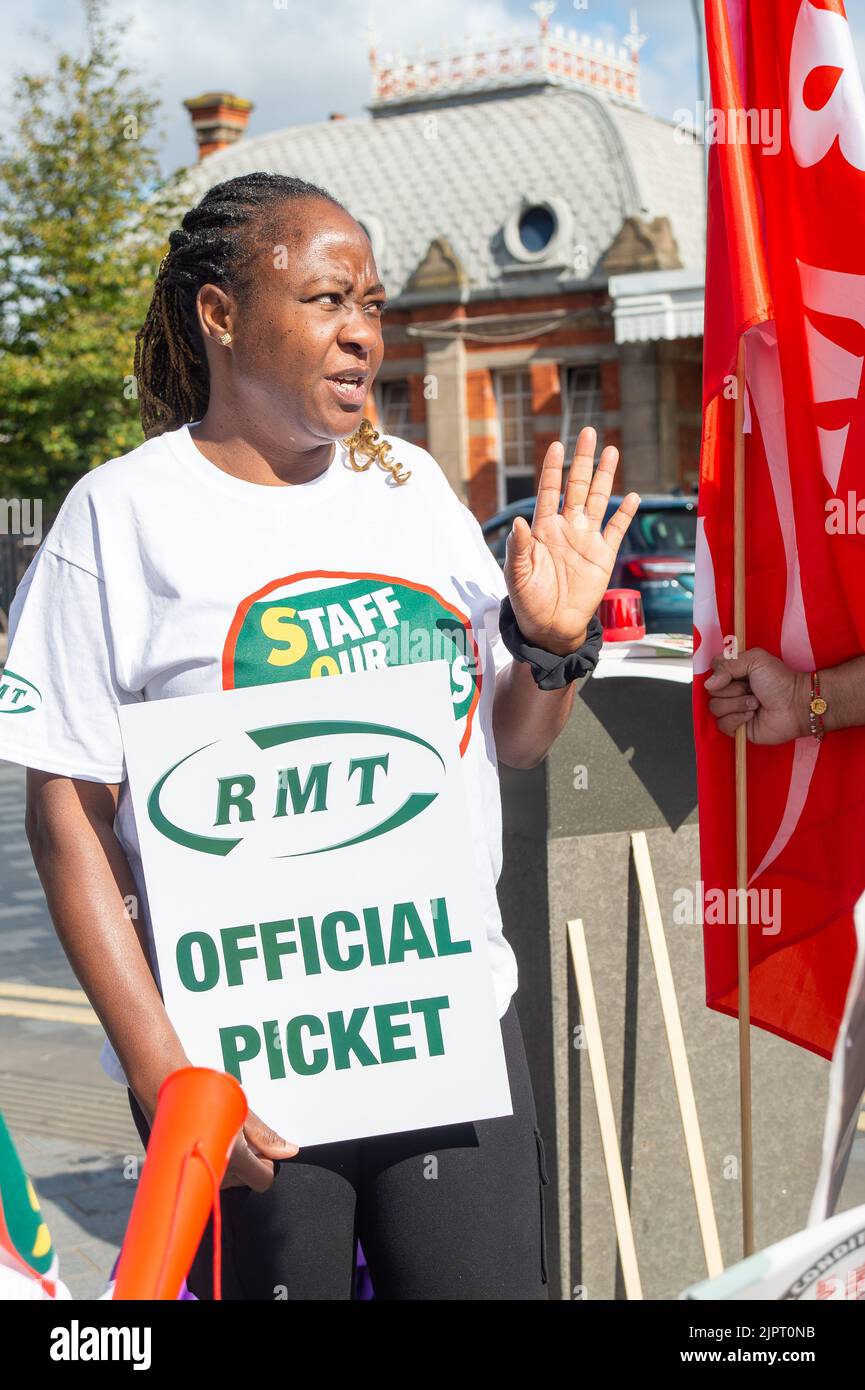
x: 657, y: 555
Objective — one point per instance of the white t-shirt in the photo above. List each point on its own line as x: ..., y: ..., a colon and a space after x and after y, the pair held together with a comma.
x: 163, y: 575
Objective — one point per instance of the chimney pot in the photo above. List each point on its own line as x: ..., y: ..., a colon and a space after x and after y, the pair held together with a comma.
x: 218, y: 119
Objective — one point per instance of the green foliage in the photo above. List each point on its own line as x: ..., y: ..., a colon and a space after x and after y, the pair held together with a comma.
x: 84, y: 219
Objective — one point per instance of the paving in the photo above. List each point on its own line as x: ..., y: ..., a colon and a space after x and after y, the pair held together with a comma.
x: 70, y: 1123
x: 86, y: 1195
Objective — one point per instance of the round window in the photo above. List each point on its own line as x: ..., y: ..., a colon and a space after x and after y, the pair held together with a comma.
x: 537, y: 227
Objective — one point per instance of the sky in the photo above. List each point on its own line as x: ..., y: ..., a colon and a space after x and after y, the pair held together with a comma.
x: 300, y: 60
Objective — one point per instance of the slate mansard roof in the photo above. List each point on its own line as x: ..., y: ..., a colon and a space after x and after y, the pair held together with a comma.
x: 461, y: 172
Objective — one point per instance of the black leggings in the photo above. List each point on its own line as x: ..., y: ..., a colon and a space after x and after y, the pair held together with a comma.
x: 454, y: 1212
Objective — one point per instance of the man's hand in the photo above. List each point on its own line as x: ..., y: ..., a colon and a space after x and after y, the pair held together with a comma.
x: 252, y: 1159
x: 758, y: 690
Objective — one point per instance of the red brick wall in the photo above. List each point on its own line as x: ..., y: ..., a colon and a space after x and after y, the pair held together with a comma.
x: 610, y: 399
x: 546, y: 400
x: 418, y: 409
x: 482, y: 463
x: 483, y: 443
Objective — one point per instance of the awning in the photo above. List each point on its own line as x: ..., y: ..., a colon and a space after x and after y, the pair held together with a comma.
x: 657, y: 304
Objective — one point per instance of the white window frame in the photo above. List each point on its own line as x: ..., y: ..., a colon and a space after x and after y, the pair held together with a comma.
x: 527, y: 442
x: 575, y: 416
x: 380, y: 388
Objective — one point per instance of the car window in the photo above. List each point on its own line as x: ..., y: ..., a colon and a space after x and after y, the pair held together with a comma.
x: 664, y: 529
x: 495, y: 538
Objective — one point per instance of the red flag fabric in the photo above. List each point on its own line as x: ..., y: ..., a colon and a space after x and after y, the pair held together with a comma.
x: 786, y: 268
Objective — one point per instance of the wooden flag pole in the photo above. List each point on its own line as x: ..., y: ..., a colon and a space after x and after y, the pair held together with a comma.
x: 604, y: 1105
x: 678, y: 1055
x: 744, y: 962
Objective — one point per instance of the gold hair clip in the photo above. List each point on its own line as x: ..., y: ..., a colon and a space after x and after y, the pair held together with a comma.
x: 365, y: 441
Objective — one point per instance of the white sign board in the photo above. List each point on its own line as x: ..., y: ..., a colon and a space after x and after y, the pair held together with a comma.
x: 825, y: 1262
x: 312, y: 888
x: 846, y: 1086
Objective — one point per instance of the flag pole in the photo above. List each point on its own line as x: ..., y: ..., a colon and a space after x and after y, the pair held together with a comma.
x: 744, y: 964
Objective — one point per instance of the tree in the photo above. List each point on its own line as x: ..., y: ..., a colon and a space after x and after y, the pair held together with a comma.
x: 84, y: 219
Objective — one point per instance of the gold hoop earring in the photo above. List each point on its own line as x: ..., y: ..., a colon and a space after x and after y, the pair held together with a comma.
x: 225, y: 339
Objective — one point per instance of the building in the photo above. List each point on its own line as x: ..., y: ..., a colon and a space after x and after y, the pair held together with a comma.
x: 541, y: 238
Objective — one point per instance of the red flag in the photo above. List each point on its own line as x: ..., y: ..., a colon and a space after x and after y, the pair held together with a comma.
x: 785, y: 267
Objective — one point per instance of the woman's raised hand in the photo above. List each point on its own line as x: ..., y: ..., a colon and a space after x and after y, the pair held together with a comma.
x: 558, y: 569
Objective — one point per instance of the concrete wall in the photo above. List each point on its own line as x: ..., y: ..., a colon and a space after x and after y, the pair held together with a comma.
x: 567, y: 855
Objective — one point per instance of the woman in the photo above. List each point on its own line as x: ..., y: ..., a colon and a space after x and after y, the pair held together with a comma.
x: 259, y: 350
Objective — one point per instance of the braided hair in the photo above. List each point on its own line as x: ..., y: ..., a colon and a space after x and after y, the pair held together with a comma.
x: 213, y: 245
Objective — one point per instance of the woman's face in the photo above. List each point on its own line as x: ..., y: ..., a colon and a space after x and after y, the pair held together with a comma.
x: 309, y: 344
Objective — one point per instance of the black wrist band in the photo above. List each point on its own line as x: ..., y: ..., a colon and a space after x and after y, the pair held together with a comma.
x: 551, y: 671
